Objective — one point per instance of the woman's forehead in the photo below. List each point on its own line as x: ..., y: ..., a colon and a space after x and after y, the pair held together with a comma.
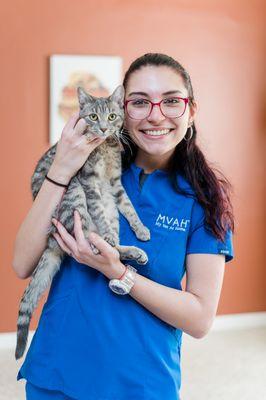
x: 155, y: 81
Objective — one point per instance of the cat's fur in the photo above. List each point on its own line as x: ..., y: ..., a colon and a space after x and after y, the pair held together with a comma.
x: 95, y: 191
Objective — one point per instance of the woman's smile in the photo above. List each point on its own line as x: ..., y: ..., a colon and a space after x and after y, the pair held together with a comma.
x: 156, y: 133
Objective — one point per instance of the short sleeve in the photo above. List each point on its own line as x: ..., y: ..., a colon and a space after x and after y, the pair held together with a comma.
x: 201, y: 240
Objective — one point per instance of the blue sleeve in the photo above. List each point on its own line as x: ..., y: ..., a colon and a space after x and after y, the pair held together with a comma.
x: 202, y: 241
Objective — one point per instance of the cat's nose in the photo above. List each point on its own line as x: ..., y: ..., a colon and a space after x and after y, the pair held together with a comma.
x: 103, y: 129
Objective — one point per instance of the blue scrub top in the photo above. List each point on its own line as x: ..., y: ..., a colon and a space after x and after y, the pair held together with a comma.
x: 93, y: 344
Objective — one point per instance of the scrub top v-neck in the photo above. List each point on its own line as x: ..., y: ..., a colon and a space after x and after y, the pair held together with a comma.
x: 142, y: 178
x: 93, y: 344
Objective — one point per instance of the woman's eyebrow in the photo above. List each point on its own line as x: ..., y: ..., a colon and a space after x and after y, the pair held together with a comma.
x: 146, y: 94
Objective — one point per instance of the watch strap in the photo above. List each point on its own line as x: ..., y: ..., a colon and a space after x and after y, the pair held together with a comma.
x: 125, y: 282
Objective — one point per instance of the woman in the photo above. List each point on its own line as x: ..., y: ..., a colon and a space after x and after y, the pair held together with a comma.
x: 93, y: 344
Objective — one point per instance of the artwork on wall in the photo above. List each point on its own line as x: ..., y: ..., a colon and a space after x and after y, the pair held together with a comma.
x: 98, y: 75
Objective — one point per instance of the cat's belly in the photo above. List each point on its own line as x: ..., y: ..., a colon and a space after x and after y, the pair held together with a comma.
x: 110, y: 207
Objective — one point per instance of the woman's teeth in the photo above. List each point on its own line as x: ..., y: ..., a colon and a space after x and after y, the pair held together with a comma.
x: 157, y: 133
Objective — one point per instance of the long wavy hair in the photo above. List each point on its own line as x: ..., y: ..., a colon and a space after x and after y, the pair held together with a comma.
x: 211, y: 187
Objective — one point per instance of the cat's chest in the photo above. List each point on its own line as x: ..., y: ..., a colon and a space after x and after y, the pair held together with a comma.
x: 103, y: 164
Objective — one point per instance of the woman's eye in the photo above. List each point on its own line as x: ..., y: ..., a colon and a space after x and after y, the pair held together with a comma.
x: 112, y: 116
x: 171, y: 101
x: 93, y: 117
x: 140, y: 102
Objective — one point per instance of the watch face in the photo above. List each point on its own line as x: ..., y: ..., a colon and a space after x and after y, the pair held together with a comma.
x: 118, y: 287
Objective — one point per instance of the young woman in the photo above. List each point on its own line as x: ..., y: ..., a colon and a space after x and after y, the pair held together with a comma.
x: 94, y: 344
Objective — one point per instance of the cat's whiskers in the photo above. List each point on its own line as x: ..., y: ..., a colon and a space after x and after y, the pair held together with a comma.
x: 116, y: 137
x: 126, y: 139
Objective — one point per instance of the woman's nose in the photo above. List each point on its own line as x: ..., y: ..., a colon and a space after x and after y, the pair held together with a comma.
x: 156, y: 115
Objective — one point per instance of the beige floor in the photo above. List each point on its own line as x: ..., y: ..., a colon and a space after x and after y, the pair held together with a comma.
x: 221, y: 366
x: 225, y: 366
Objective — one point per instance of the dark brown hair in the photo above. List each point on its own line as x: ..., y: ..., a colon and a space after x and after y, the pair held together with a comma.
x: 211, y: 188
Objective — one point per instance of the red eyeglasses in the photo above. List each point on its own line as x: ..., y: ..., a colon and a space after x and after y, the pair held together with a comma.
x: 173, y: 107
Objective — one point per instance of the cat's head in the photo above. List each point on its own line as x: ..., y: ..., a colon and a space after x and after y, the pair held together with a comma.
x: 103, y: 115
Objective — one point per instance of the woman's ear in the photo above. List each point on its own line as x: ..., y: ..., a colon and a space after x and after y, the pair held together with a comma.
x: 193, y: 109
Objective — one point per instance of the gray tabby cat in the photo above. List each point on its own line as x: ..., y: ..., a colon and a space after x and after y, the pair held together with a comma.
x: 95, y: 191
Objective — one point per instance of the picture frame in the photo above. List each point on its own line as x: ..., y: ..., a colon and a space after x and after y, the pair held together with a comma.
x: 98, y: 75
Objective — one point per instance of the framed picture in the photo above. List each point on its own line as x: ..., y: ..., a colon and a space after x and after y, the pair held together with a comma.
x: 98, y: 75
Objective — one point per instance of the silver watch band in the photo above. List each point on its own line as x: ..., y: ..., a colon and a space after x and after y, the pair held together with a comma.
x: 125, y: 283
x: 130, y: 275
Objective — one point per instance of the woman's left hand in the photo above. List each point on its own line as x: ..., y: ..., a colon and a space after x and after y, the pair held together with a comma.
x: 78, y: 247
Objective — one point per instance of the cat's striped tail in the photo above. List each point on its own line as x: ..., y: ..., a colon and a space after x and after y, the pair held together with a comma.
x: 42, y: 277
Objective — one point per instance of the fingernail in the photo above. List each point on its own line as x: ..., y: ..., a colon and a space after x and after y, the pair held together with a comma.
x: 54, y: 221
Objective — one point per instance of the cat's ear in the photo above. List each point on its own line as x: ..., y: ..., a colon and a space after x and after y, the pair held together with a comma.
x: 83, y: 97
x: 118, y: 95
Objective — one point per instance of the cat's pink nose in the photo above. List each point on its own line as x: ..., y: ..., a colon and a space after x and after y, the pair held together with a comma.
x: 103, y: 129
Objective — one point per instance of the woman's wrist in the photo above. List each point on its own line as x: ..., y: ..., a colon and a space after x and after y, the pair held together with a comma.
x: 114, y: 271
x: 57, y: 174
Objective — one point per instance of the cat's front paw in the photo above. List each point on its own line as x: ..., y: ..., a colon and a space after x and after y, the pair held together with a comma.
x: 143, y: 234
x: 108, y: 237
x: 141, y: 257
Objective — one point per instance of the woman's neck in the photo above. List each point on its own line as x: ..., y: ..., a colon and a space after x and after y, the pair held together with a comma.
x: 150, y: 163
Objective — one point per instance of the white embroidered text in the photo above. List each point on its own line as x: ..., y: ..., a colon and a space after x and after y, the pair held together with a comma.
x: 171, y: 223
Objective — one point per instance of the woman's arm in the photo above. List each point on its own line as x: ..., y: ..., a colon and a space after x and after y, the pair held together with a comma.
x: 72, y: 151
x: 32, y: 235
x: 192, y: 310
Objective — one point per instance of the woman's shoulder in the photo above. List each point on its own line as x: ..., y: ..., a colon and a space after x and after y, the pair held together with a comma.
x: 185, y: 186
x: 196, y: 209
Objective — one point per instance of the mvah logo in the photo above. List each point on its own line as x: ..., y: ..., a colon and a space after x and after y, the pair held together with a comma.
x: 171, y: 223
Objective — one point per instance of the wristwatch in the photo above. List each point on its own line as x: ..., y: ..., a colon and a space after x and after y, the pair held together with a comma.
x: 124, y: 284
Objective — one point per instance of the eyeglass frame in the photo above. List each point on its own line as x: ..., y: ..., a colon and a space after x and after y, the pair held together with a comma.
x: 186, y: 100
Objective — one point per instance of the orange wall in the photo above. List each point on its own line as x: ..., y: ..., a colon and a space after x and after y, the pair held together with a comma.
x: 221, y: 46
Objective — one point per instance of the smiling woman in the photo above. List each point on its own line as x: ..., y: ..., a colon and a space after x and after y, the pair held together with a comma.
x: 110, y: 346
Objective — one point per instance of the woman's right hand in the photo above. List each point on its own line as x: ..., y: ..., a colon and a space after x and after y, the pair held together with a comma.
x: 72, y: 150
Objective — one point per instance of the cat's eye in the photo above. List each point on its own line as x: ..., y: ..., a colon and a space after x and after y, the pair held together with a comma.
x: 112, y: 116
x: 93, y: 117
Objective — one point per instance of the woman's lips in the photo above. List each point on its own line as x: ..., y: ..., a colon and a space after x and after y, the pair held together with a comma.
x: 155, y: 136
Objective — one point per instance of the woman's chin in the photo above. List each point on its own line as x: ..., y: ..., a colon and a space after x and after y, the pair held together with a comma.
x: 154, y: 150
x: 157, y: 146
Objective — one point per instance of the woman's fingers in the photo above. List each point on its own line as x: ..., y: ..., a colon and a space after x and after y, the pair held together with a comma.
x: 75, y: 127
x: 88, y: 139
x: 79, y: 234
x: 62, y: 244
x: 82, y: 243
x: 80, y: 127
x: 105, y: 248
x: 92, y: 144
x: 79, y: 247
x: 67, y: 238
x: 71, y: 123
